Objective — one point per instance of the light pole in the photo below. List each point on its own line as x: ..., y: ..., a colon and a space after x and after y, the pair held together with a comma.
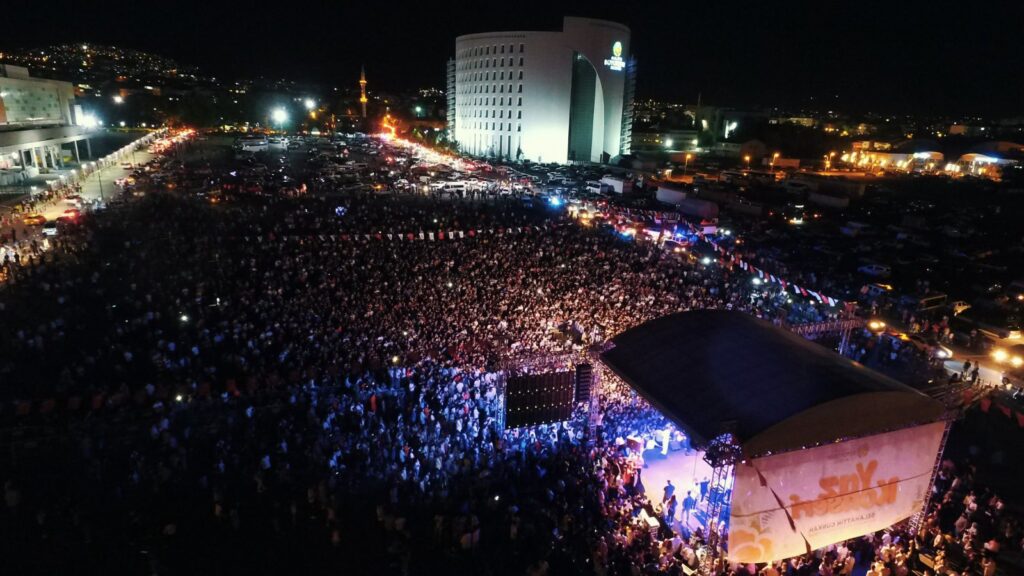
x: 746, y: 158
x: 686, y: 162
x: 99, y: 181
x: 775, y: 157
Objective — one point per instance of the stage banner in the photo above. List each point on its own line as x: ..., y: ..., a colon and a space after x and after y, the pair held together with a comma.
x: 787, y: 504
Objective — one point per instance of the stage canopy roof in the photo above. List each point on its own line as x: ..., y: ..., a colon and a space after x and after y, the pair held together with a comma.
x: 717, y: 371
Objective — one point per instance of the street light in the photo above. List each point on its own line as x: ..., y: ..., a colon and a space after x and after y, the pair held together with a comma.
x: 310, y: 103
x: 118, y: 99
x: 775, y: 157
x: 746, y: 158
x: 419, y: 110
x: 686, y: 162
x: 668, y: 143
x: 279, y: 116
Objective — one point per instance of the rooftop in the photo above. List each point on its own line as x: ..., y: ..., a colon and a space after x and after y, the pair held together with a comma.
x: 716, y: 371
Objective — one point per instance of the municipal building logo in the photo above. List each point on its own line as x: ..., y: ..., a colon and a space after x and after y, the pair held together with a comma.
x: 617, y: 50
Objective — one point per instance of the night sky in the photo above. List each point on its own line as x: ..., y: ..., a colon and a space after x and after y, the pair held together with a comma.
x: 911, y: 57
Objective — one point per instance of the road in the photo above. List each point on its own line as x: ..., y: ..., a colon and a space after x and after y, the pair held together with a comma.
x: 91, y: 190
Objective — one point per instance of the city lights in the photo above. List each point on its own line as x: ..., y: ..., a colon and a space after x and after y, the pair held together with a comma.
x: 333, y: 380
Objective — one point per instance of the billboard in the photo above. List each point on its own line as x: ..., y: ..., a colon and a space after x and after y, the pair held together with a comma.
x: 787, y: 504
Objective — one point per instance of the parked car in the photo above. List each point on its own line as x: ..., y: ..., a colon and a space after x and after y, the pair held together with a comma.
x: 878, y: 270
x: 958, y: 306
x: 929, y: 345
x: 34, y: 219
x: 50, y: 228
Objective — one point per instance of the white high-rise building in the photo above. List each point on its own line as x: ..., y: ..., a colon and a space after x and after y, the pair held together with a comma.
x: 544, y: 96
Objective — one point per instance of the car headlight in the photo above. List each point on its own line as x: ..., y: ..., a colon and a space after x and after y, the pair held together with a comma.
x: 1000, y: 355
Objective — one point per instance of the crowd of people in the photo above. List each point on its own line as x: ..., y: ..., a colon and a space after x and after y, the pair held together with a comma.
x: 273, y: 383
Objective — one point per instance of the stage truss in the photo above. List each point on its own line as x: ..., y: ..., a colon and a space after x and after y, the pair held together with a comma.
x: 722, y: 453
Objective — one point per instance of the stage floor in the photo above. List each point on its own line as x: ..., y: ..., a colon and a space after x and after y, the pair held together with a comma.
x: 685, y: 470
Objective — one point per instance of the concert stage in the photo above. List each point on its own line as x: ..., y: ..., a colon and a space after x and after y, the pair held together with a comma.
x: 819, y: 448
x: 686, y: 469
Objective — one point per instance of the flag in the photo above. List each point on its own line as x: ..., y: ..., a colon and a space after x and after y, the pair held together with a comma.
x: 440, y: 235
x: 431, y: 235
